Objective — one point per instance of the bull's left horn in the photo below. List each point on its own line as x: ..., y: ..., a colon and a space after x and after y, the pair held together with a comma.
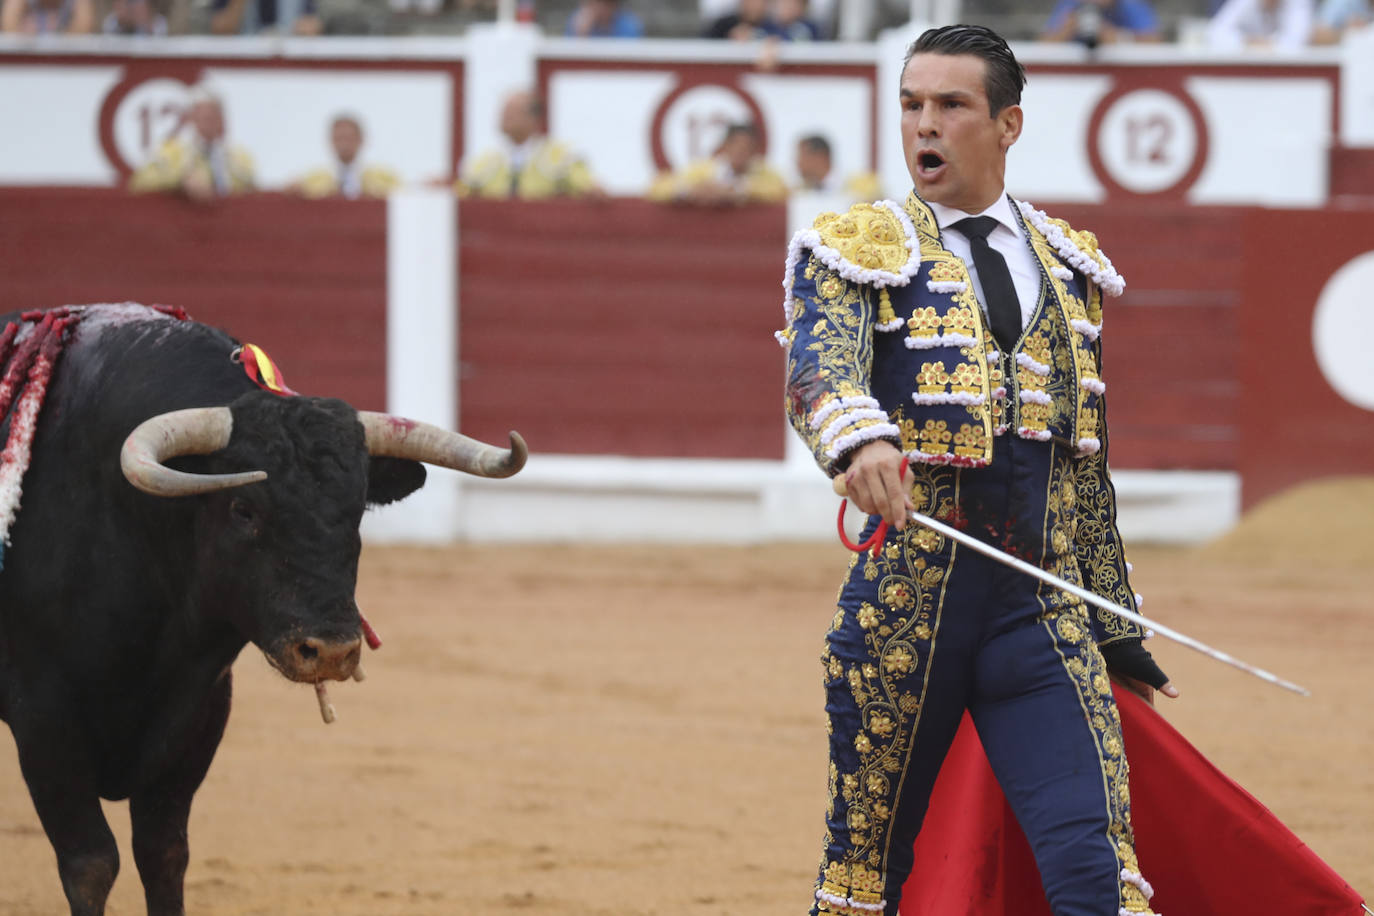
x: 196, y: 431
x: 394, y: 437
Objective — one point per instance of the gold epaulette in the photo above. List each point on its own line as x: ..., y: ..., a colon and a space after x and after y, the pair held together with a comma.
x: 868, y: 236
x: 1082, y: 239
x: 1077, y: 248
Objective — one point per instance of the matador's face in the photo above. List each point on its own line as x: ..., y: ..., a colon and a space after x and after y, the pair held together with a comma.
x: 955, y: 149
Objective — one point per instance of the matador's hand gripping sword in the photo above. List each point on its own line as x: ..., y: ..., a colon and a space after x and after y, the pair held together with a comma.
x: 1029, y: 569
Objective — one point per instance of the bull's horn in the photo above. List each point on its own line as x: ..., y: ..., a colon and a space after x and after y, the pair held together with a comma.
x: 394, y: 437
x: 197, y: 431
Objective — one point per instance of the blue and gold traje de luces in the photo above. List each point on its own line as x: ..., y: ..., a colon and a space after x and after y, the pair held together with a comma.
x: 897, y: 307
x: 886, y: 340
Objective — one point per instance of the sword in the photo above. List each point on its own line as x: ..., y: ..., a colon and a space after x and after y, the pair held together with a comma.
x: 1111, y: 607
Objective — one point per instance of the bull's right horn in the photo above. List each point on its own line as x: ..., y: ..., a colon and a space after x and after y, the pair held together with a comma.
x: 396, y: 437
x: 197, y: 431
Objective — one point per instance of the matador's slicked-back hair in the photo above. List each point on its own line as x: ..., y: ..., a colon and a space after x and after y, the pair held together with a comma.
x: 1005, y: 77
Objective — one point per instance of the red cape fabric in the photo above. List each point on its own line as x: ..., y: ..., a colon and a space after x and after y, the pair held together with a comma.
x: 1208, y: 846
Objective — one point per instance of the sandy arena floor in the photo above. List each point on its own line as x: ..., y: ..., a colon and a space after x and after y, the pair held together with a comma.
x: 578, y: 731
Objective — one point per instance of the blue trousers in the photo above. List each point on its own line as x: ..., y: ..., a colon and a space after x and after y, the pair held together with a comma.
x: 928, y: 629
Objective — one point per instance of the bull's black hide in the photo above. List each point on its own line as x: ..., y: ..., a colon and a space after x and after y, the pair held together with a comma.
x: 121, y: 612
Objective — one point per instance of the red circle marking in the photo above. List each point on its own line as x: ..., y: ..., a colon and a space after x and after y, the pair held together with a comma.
x: 687, y: 84
x: 135, y: 74
x: 1173, y: 87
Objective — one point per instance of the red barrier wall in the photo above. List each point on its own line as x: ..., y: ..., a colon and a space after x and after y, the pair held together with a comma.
x: 1169, y: 343
x: 622, y: 327
x: 304, y: 280
x: 1294, y: 425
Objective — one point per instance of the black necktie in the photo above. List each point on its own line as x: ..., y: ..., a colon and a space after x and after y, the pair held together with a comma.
x: 1004, y: 309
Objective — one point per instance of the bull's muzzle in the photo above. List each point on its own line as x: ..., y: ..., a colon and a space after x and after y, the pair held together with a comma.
x: 312, y: 659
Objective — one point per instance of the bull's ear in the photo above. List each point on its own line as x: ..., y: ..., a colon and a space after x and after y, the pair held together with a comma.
x: 390, y: 479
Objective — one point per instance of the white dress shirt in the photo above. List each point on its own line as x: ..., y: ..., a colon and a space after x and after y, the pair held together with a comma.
x: 1006, y: 239
x: 1240, y: 22
x: 351, y: 180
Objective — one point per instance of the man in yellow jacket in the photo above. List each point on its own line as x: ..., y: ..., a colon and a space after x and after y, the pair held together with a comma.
x: 205, y: 165
x: 531, y: 165
x: 736, y: 174
x: 348, y: 176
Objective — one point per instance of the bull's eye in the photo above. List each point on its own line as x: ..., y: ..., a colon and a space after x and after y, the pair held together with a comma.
x: 243, y: 512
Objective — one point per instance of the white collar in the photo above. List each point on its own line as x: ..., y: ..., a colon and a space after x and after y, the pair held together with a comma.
x: 1000, y: 211
x: 526, y: 147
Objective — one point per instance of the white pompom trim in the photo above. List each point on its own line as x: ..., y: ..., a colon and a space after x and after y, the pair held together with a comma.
x: 846, y: 403
x: 1138, y: 880
x: 946, y: 286
x: 894, y: 325
x: 1025, y: 361
x: 1104, y: 274
x: 1061, y: 272
x: 860, y: 436
x: 850, y: 902
x: 920, y: 457
x: 940, y: 340
x: 949, y: 397
x: 1039, y: 435
x: 1095, y: 385
x: 1086, y: 328
x: 1035, y: 397
x: 849, y: 418
x: 1088, y: 446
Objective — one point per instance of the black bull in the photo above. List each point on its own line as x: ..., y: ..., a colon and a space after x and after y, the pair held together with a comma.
x: 121, y: 612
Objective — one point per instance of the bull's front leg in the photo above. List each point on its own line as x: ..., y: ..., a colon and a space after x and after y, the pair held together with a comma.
x: 160, y: 810
x: 57, y: 769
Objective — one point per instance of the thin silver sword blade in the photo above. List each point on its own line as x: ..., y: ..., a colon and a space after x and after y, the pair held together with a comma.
x: 1030, y: 569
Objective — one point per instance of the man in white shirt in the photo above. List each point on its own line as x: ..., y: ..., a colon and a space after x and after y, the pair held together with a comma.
x: 943, y: 354
x: 1280, y: 25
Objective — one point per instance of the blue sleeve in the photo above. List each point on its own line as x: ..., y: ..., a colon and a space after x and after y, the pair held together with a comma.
x: 1336, y: 14
x: 628, y: 25
x: 1061, y: 11
x: 1139, y: 16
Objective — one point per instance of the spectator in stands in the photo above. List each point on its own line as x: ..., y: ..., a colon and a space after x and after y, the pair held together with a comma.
x: 792, y: 23
x: 1281, y: 25
x: 530, y: 165
x: 749, y: 21
x: 205, y: 166
x: 604, y: 19
x: 813, y: 163
x: 251, y: 17
x: 1337, y: 17
x: 348, y: 176
x: 48, y: 17
x: 134, y: 17
x: 1101, y: 22
x: 736, y: 174
x: 816, y: 175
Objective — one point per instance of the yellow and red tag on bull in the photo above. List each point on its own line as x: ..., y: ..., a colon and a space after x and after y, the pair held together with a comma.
x: 262, y: 370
